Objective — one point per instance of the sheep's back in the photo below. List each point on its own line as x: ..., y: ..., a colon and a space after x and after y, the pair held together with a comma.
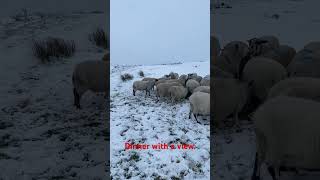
x: 291, y: 129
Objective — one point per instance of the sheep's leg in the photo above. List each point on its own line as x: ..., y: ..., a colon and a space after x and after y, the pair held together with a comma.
x: 133, y: 92
x: 272, y: 172
x: 255, y: 168
x: 76, y: 98
x: 190, y: 114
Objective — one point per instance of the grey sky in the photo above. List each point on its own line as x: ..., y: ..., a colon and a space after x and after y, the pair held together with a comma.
x: 159, y: 31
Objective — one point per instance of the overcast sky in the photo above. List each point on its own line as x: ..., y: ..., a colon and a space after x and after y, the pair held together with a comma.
x: 159, y: 31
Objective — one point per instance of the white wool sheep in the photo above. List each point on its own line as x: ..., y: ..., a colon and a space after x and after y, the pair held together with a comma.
x: 192, y: 75
x: 235, y: 50
x: 89, y: 75
x: 229, y: 97
x: 182, y: 81
x: 174, y: 75
x: 302, y: 87
x: 205, y: 89
x: 312, y: 46
x: 264, y: 73
x: 150, y: 79
x: 142, y: 86
x: 214, y: 46
x: 261, y: 45
x: 163, y: 89
x: 199, y: 104
x: 219, y: 73
x: 306, y: 63
x: 177, y: 93
x: 287, y: 135
x: 225, y: 64
x: 205, y: 82
x: 192, y: 84
x: 284, y: 54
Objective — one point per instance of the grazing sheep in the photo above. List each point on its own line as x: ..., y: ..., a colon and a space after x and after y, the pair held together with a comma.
x: 174, y: 75
x: 199, y: 104
x: 163, y: 89
x: 229, y: 97
x: 258, y: 46
x: 89, y: 75
x: 219, y: 73
x: 284, y: 54
x: 214, y: 46
x: 287, y: 135
x: 205, y: 89
x: 142, y: 86
x: 264, y: 73
x: 182, y: 81
x: 306, y: 63
x: 192, y: 84
x: 302, y: 87
x: 150, y: 79
x: 177, y: 93
x: 312, y: 46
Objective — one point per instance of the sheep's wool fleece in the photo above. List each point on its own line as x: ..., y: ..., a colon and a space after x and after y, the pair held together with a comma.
x: 291, y: 128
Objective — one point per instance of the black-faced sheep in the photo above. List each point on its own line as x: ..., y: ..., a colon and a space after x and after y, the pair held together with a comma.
x: 89, y: 75
x: 199, y: 104
x: 287, y: 135
x: 174, y: 75
x: 263, y: 73
x: 142, y: 86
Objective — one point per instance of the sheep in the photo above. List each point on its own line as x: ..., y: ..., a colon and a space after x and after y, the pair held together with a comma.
x: 163, y: 89
x: 182, y: 81
x: 174, y: 75
x: 177, y: 93
x: 205, y: 89
x: 302, y: 87
x: 199, y: 104
x: 229, y: 97
x: 258, y: 46
x: 284, y: 54
x: 197, y: 78
x: 150, y: 79
x: 192, y: 75
x: 219, y: 73
x: 142, y: 85
x: 205, y: 82
x: 214, y: 46
x: 312, y: 46
x: 306, y: 63
x: 264, y: 73
x: 287, y: 135
x: 225, y: 64
x: 192, y: 84
x: 236, y: 50
x: 89, y: 75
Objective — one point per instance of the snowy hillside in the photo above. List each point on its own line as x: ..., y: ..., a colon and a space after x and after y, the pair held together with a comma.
x: 42, y: 135
x: 140, y: 119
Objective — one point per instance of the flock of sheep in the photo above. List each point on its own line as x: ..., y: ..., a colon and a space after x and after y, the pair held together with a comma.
x: 279, y: 90
x: 177, y: 88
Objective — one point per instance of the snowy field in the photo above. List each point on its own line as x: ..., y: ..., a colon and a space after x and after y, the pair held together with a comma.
x: 295, y: 23
x: 140, y: 119
x: 42, y: 135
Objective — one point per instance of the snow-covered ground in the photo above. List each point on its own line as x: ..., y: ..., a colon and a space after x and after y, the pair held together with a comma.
x: 42, y: 136
x: 140, y: 119
x: 295, y: 23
